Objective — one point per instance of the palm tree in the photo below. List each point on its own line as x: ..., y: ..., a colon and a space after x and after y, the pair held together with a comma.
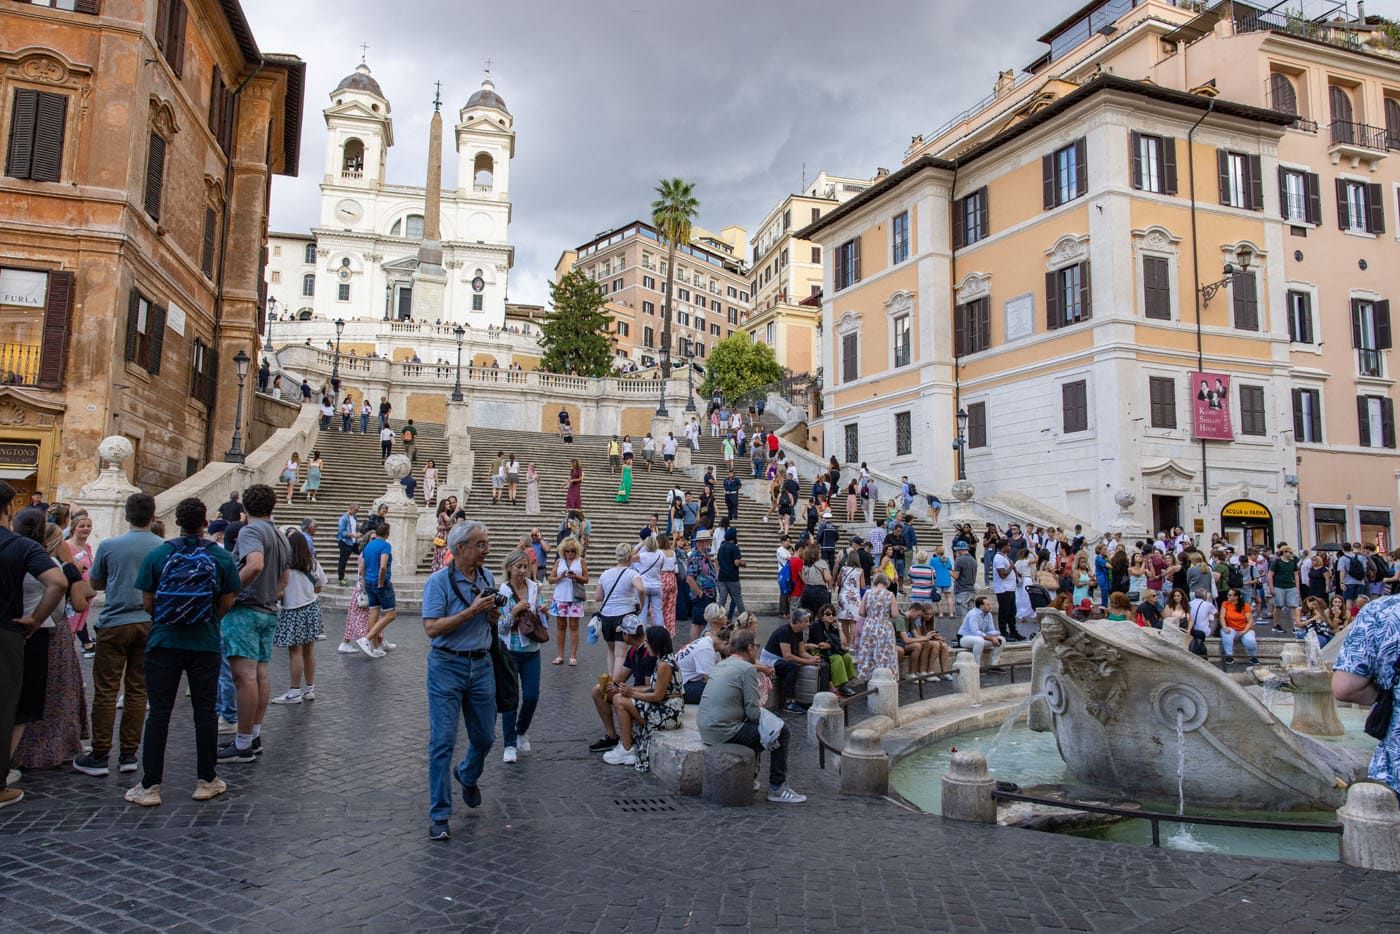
x: 671, y: 215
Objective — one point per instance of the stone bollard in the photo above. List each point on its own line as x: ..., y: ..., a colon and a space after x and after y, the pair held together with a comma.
x: 865, y: 767
x: 885, y: 702
x: 1370, y: 821
x: 969, y: 677
x: 967, y: 789
x: 824, y: 719
x: 728, y: 775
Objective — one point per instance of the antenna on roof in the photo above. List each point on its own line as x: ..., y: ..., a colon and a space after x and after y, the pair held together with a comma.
x: 804, y: 177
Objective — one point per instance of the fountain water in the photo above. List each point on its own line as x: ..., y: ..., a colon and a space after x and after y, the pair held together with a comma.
x: 1021, y: 710
x: 1313, y: 649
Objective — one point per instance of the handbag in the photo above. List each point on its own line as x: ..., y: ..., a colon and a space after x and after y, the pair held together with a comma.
x: 1383, y: 710
x: 530, y: 626
x: 362, y: 599
x: 502, y: 665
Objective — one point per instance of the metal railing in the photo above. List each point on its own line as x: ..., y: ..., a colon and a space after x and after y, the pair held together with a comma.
x: 19, y: 364
x: 1369, y: 362
x: 1322, y: 28
x: 1361, y: 135
x: 1157, y: 817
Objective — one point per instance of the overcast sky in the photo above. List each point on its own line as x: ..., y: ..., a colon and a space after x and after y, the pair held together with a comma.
x: 610, y: 95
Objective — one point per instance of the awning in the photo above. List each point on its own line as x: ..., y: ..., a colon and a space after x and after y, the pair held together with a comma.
x: 17, y: 473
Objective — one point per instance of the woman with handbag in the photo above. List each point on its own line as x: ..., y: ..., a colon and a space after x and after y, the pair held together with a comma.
x: 570, y: 577
x: 620, y: 592
x: 522, y: 631
x: 356, y: 613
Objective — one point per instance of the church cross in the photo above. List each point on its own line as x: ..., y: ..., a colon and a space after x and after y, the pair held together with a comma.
x: 488, y: 67
x: 364, y: 50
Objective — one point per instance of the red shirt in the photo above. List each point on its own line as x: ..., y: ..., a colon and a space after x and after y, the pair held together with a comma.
x: 795, y: 572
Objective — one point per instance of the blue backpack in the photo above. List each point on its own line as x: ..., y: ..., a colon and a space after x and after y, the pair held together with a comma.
x: 188, y: 584
x: 785, y: 579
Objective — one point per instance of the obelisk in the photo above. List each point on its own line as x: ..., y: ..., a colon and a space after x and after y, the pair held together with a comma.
x: 430, y: 279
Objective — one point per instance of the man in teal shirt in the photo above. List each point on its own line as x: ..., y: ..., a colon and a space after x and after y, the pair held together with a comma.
x: 184, y: 639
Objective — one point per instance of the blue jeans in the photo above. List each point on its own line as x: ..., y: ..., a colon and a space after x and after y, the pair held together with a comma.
x: 515, y: 724
x: 364, y: 424
x: 1227, y: 642
x: 226, y: 702
x: 465, y: 687
x: 345, y: 424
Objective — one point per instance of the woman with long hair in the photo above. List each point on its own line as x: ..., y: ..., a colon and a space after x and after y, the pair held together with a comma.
x: 850, y: 584
x: 512, y: 476
x: 1137, y: 577
x: 289, y: 473
x: 445, y: 510
x: 852, y: 500
x: 816, y: 579
x: 569, y: 577
x: 643, y: 710
x: 1118, y: 568
x: 82, y: 551
x: 670, y: 585
x: 524, y: 604
x: 648, y: 562
x: 624, y: 486
x: 430, y: 482
x: 1083, y: 578
x: 299, y: 620
x: 1237, y: 622
x: 312, y: 485
x: 532, y: 490
x: 877, y: 647
x: 573, y: 498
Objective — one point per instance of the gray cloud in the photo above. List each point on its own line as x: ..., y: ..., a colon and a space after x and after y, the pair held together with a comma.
x: 611, y: 95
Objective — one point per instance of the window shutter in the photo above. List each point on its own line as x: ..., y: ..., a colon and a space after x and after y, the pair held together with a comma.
x: 206, y: 257
x: 216, y: 102
x: 1081, y: 167
x: 983, y: 201
x: 960, y: 223
x: 1282, y: 193
x: 1316, y: 416
x: 58, y: 316
x: 1047, y: 180
x: 1052, y: 300
x: 982, y: 324
x: 1156, y: 288
x: 1313, y: 189
x: 133, y: 308
x: 1356, y: 323
x: 1246, y: 301
x: 49, y: 123
x: 1256, y: 183
x: 1298, y: 432
x: 1222, y: 164
x: 1135, y: 152
x: 1376, y: 201
x: 1343, y: 215
x: 23, y: 115
x: 157, y: 338
x: 855, y: 253
x: 155, y: 175
x: 86, y: 6
x: 1380, y: 311
x: 163, y: 26
x: 1084, y: 292
x: 211, y: 374
x: 1169, y: 164
x: 961, y: 320
x: 1363, y: 420
x: 176, y: 54
x: 1388, y: 422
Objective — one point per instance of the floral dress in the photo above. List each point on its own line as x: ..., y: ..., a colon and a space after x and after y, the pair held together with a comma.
x: 663, y: 715
x: 848, y: 594
x: 440, y: 551
x: 356, y: 616
x: 877, y: 644
x: 670, y: 588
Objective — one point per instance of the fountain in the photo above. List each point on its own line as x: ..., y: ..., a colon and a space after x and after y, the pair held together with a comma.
x: 1128, y: 707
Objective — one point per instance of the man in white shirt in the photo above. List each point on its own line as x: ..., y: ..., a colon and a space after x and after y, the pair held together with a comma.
x: 668, y: 452
x: 699, y: 657
x: 979, y: 630
x: 1004, y: 587
x: 386, y: 441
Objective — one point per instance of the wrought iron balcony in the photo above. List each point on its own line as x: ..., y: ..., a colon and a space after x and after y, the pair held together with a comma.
x: 1357, y: 143
x: 19, y: 364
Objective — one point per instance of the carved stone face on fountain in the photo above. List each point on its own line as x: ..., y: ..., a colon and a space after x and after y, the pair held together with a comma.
x: 115, y: 450
x: 396, y: 466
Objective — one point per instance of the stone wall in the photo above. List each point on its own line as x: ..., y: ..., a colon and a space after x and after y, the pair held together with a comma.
x: 268, y: 416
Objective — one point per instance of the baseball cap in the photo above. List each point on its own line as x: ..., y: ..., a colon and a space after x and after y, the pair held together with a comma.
x: 631, y: 624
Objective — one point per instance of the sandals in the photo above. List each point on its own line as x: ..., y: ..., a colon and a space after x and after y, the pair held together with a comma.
x: 558, y: 661
x: 573, y: 663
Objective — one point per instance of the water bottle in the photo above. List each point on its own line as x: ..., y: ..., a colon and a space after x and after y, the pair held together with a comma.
x: 593, y: 631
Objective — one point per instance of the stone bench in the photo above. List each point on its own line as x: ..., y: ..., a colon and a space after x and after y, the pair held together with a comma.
x: 728, y: 775
x: 677, y: 756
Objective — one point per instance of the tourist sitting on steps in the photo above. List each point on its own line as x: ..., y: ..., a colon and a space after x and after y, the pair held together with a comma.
x: 979, y: 630
x: 788, y: 653
x: 698, y: 659
x: 730, y: 712
x: 638, y: 665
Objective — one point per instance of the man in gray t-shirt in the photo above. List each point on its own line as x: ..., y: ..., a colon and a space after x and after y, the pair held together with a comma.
x: 263, y: 555
x: 965, y: 571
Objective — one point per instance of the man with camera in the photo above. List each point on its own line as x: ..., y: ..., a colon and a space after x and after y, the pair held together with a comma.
x: 460, y: 605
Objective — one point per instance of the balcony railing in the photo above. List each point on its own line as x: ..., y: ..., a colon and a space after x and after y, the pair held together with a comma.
x: 19, y: 364
x: 1321, y: 28
x: 1359, y: 135
x: 352, y: 173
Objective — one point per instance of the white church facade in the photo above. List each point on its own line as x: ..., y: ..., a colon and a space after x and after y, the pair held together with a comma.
x: 362, y: 260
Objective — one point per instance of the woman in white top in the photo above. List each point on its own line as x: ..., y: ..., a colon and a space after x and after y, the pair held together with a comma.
x: 1025, y: 576
x: 569, y: 578
x: 289, y: 473
x: 670, y: 581
x: 648, y: 563
x: 523, y: 601
x: 299, y: 622
x: 620, y: 591
x: 512, y: 469
x: 430, y: 482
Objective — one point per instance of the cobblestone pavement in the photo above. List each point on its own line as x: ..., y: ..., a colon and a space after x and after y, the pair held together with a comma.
x: 327, y: 831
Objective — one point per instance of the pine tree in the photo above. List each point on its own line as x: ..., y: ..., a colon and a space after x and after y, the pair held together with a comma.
x: 575, y: 335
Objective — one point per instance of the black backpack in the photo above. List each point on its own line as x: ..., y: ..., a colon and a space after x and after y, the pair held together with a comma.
x: 1234, y: 577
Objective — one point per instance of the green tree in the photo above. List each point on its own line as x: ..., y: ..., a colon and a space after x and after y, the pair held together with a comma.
x: 737, y: 365
x: 574, y: 335
x: 671, y: 214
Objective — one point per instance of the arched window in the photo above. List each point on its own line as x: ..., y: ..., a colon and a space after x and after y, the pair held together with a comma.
x: 353, y: 164
x: 483, y: 169
x: 308, y: 284
x: 1281, y: 94
x: 1343, y: 130
x: 309, y: 256
x: 413, y: 226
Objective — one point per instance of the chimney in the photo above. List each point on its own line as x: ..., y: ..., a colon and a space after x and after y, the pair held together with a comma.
x: 1006, y: 80
x: 881, y: 172
x: 1361, y: 12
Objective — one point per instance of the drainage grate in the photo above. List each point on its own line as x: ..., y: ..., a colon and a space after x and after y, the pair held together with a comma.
x: 644, y: 805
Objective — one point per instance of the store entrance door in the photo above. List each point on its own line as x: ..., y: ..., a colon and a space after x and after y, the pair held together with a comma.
x: 1247, y: 524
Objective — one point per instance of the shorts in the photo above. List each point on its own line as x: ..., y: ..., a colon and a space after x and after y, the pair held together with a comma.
x: 610, y: 624
x: 627, y: 458
x: 497, y: 482
x: 668, y: 457
x: 649, y: 456
x: 568, y: 610
x: 382, y: 597
x: 247, y: 633
x: 1350, y: 592
x: 614, y: 460
x: 1286, y: 597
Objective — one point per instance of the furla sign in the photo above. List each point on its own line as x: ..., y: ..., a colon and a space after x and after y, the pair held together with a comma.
x: 25, y: 288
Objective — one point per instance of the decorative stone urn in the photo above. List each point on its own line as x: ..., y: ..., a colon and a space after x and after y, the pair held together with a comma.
x: 962, y: 491
x: 105, y: 497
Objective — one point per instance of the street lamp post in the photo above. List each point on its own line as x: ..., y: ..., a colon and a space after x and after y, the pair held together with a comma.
x: 271, y: 314
x: 663, y: 369
x: 1244, y: 254
x: 962, y: 444
x: 235, y: 451
x: 458, y: 332
x: 335, y: 365
x: 690, y: 377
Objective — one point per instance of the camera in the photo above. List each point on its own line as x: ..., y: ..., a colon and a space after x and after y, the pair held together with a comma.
x: 501, y: 600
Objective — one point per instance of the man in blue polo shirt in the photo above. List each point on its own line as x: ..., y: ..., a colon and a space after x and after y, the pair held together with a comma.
x: 459, y: 609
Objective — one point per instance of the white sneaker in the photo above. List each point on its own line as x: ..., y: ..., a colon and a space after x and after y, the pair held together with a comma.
x: 146, y: 797
x: 226, y: 728
x: 948, y: 677
x: 368, y: 647
x: 619, y: 756
x: 785, y: 795
x: 509, y: 755
x: 522, y: 745
x: 348, y: 648
x: 320, y: 637
x: 308, y: 692
x: 291, y: 697
x: 388, y: 646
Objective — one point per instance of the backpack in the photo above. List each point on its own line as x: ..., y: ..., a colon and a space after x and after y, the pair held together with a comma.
x: 1233, y: 577
x: 187, y: 587
x: 785, y: 579
x: 1357, y: 566
x: 864, y: 491
x: 913, y: 490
